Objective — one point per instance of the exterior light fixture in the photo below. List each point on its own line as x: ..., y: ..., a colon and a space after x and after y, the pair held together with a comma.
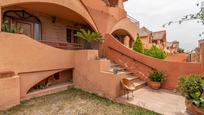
x: 54, y: 19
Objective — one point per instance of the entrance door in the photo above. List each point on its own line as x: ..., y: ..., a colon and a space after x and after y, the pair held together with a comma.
x: 27, y: 27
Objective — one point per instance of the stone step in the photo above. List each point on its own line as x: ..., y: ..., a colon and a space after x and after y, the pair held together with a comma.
x: 129, y: 73
x: 139, y: 84
x: 115, y: 65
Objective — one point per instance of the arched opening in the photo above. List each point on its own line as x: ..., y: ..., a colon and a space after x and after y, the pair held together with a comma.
x: 124, y: 37
x: 63, y: 78
x: 48, y: 23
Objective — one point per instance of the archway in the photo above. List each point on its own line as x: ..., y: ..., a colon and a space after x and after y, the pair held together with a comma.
x: 51, y: 23
x: 124, y: 37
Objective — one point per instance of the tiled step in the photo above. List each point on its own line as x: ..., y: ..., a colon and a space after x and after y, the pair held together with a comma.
x: 115, y: 65
x: 139, y: 84
x: 132, y: 78
x: 130, y: 73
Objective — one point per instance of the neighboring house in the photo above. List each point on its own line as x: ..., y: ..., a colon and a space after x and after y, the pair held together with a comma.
x: 159, y: 38
x: 172, y: 47
x: 150, y: 38
x: 194, y: 55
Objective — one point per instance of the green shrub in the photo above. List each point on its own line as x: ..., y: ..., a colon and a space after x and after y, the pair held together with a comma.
x: 156, y: 76
x: 192, y: 87
x: 138, y: 46
x: 155, y: 52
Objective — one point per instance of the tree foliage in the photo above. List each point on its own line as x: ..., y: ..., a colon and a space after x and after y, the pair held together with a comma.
x: 180, y: 50
x: 138, y: 46
x: 197, y: 16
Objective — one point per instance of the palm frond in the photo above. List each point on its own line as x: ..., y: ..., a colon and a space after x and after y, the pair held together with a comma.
x: 88, y: 35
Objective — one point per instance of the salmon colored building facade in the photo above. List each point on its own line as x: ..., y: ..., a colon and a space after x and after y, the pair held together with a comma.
x: 42, y: 58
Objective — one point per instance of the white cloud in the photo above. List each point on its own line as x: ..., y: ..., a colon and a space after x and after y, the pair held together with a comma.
x: 154, y: 13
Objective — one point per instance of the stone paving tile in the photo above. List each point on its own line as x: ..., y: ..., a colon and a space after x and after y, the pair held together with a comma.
x: 161, y: 101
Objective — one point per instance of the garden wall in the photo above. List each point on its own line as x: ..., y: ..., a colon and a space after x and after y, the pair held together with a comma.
x: 140, y: 64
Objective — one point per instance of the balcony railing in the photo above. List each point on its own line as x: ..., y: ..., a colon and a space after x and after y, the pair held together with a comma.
x: 67, y: 46
x: 133, y: 19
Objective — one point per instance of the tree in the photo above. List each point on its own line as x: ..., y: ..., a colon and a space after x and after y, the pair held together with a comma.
x: 197, y: 16
x: 138, y: 46
x: 180, y: 50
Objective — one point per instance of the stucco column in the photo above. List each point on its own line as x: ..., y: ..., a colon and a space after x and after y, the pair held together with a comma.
x: 127, y: 41
x: 201, y: 42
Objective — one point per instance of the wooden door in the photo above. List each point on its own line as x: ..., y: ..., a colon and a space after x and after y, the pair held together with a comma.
x: 27, y: 27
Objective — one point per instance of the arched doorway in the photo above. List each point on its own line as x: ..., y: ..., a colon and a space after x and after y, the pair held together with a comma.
x: 123, y: 37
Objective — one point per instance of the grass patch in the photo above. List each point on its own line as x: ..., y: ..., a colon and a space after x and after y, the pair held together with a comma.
x: 74, y: 101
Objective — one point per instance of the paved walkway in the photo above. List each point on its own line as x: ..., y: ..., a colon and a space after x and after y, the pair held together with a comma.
x: 160, y: 101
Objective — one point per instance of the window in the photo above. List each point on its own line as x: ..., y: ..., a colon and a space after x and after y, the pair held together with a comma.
x: 14, y: 16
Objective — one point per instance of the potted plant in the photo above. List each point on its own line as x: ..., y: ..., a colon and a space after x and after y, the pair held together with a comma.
x: 192, y: 88
x: 156, y: 79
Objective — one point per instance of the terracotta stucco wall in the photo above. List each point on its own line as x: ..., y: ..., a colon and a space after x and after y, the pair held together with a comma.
x: 93, y: 75
x: 104, y: 17
x: 9, y: 92
x: 20, y: 53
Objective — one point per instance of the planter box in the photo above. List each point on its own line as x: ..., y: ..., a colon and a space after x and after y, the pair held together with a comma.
x: 154, y: 85
x: 192, y: 109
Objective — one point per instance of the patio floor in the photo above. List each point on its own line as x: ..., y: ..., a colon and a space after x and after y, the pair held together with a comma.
x: 160, y: 101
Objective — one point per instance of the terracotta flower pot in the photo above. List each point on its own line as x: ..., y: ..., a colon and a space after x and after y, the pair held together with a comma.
x: 154, y: 85
x: 192, y: 109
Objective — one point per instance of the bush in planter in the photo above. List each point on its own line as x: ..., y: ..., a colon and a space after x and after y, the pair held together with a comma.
x: 192, y: 87
x: 156, y: 78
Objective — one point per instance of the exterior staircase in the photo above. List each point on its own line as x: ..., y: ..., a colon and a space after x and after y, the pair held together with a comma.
x: 130, y: 76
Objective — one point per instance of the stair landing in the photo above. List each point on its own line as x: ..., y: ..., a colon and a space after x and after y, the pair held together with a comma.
x: 161, y: 101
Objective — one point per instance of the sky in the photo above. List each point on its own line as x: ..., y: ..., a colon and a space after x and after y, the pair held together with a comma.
x: 154, y: 13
